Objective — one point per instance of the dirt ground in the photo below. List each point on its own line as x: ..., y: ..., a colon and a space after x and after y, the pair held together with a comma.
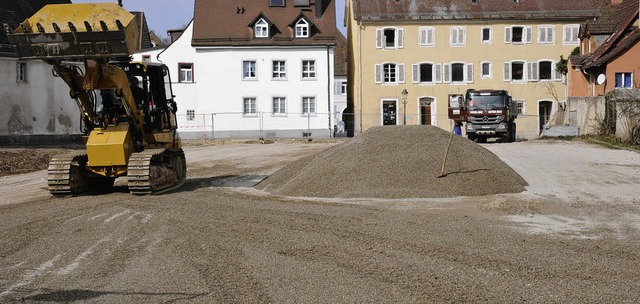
x: 571, y: 237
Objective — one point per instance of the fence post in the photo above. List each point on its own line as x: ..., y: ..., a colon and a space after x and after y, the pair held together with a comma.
x: 213, y: 130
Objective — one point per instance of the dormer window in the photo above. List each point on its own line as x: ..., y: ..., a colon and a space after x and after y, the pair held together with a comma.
x: 261, y: 29
x: 276, y: 2
x: 302, y: 29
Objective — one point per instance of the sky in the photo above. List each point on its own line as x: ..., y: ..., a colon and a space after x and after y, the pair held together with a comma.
x: 163, y: 15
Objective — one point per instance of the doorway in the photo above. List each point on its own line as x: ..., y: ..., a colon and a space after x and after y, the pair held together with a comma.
x: 544, y: 114
x: 425, y: 111
x: 389, y: 112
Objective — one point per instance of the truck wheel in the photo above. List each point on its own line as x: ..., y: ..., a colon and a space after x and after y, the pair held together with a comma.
x: 482, y: 139
x: 512, y: 133
x: 471, y: 137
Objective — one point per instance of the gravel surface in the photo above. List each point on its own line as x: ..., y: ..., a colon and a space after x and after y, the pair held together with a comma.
x: 397, y: 162
x: 573, y: 236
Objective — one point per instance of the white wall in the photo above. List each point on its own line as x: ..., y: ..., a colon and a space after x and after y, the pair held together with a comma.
x: 43, y: 100
x: 218, y: 89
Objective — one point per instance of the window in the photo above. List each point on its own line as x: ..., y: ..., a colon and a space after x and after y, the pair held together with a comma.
x: 517, y: 34
x: 570, y: 34
x: 427, y: 36
x: 308, y: 69
x: 279, y: 105
x: 522, y: 109
x: 514, y: 71
x: 279, y: 69
x: 249, y: 70
x: 546, y: 34
x: 186, y: 72
x: 21, y: 71
x: 300, y: 2
x: 191, y: 115
x: 423, y: 73
x: 458, y: 72
x: 457, y: 36
x: 624, y: 80
x: 302, y: 29
x: 486, y: 70
x: 487, y: 35
x: 276, y: 2
x: 389, y: 38
x: 261, y: 29
x: 545, y: 70
x: 389, y: 73
x: 308, y: 105
x: 343, y: 88
x: 250, y: 106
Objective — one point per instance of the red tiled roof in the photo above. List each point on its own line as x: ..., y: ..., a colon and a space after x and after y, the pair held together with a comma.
x: 386, y: 10
x: 626, y: 13
x: 226, y: 23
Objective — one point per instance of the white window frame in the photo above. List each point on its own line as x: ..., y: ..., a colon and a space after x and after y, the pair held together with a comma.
x: 570, y: 34
x: 522, y: 106
x: 508, y: 74
x: 278, y: 105
x: 417, y: 74
x: 302, y: 29
x: 548, y: 32
x: 273, y: 4
x: 526, y: 35
x: 186, y: 74
x: 482, y: 74
x: 381, y: 41
x: 624, y: 84
x: 261, y: 28
x: 309, y: 71
x: 21, y: 71
x: 308, y: 105
x: 382, y: 73
x: 467, y: 72
x: 457, y: 36
x: 191, y: 115
x: 247, y: 69
x: 427, y: 37
x: 490, y: 41
x: 250, y: 109
x: 279, y: 72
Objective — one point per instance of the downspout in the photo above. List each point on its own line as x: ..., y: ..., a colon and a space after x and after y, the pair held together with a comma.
x: 360, y: 71
x: 329, y: 91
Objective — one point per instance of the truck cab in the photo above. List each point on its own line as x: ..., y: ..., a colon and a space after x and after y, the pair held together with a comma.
x: 486, y: 114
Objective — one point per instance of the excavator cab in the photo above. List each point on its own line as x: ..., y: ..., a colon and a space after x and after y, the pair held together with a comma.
x: 127, y: 108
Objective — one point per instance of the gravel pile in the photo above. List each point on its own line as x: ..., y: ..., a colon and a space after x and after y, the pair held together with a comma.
x: 397, y: 162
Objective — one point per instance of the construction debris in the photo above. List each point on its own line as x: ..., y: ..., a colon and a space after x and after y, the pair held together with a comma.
x: 397, y: 162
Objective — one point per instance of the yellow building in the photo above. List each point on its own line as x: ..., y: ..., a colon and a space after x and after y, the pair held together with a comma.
x: 435, y: 48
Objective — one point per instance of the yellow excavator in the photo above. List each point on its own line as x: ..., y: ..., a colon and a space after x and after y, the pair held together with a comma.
x: 128, y: 109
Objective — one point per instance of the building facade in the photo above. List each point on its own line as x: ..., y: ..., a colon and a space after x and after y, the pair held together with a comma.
x: 432, y: 51
x: 252, y: 68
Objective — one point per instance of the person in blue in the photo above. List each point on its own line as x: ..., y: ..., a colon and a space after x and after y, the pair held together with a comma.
x: 458, y: 128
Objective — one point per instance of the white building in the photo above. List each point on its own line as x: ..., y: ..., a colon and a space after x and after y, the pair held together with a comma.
x: 254, y: 68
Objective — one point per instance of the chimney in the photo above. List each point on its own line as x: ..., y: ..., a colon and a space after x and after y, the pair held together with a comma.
x: 319, y: 8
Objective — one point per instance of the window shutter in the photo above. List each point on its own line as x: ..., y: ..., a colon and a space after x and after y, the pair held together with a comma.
x: 469, y: 67
x: 535, y: 74
x: 507, y: 71
x: 567, y: 35
x: 401, y: 73
x: 430, y: 36
x: 416, y: 73
x: 507, y: 34
x: 551, y: 35
x: 438, y: 72
x: 400, y: 38
x: 574, y: 33
x: 379, y: 38
x: 454, y: 36
x: 528, y: 34
x: 542, y: 35
x: 556, y: 75
x: 423, y: 37
x: 447, y: 72
x: 461, y: 36
x: 378, y: 73
x: 529, y: 69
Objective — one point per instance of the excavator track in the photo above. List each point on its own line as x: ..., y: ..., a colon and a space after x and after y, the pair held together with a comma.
x: 63, y: 174
x: 156, y: 171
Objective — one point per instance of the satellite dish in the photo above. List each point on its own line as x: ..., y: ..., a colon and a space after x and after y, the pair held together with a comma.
x: 601, y: 79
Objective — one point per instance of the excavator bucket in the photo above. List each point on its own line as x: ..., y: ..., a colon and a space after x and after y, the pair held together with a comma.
x: 76, y: 31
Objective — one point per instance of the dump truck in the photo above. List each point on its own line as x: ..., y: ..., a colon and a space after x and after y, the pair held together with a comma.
x: 128, y: 108
x: 485, y: 114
